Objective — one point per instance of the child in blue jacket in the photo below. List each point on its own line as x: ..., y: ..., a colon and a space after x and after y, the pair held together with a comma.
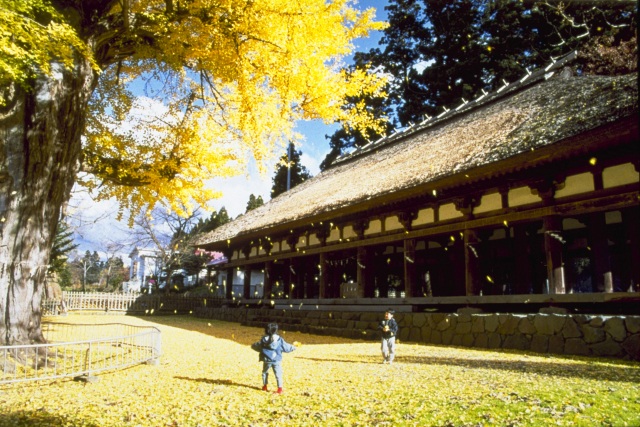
x: 271, y: 347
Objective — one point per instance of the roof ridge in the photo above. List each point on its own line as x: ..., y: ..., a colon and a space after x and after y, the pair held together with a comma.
x: 527, y: 80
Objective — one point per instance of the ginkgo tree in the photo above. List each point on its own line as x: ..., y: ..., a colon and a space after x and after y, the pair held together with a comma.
x: 202, y: 86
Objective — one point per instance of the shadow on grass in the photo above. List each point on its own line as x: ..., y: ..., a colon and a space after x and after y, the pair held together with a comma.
x: 318, y: 359
x: 561, y: 366
x: 232, y: 331
x: 557, y: 366
x: 40, y: 418
x: 214, y: 381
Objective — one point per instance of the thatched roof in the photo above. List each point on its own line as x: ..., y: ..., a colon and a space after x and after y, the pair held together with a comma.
x: 544, y: 113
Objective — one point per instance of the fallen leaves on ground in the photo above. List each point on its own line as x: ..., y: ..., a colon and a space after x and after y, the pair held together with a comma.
x: 208, y: 376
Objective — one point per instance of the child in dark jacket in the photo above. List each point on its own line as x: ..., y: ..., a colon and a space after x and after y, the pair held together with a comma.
x: 389, y: 330
x: 271, y: 347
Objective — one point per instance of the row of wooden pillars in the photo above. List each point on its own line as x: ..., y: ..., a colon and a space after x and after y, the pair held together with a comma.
x: 313, y: 276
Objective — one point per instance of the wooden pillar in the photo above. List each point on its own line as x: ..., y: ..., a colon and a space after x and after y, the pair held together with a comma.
x: 600, y: 253
x: 246, y: 288
x: 522, y: 260
x: 268, y: 283
x: 366, y: 273
x: 297, y: 278
x: 323, y: 273
x: 553, y: 241
x: 410, y: 279
x: 457, y: 264
x: 229, y: 287
x: 630, y: 220
x: 290, y: 279
x: 472, y: 262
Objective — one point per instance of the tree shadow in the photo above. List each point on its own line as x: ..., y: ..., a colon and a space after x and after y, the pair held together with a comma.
x: 591, y: 369
x: 214, y: 381
x: 238, y: 333
x: 318, y: 359
x: 41, y: 418
x: 562, y: 366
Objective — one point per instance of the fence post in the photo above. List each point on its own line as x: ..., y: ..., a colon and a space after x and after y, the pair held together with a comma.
x: 87, y: 377
x: 156, y: 348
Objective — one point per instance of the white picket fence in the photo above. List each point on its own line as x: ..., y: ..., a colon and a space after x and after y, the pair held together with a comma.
x: 129, y: 302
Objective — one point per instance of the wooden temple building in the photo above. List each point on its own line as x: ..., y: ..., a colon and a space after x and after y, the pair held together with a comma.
x: 526, y: 195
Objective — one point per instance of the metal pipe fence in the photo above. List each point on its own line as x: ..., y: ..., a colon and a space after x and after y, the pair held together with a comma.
x: 80, y: 351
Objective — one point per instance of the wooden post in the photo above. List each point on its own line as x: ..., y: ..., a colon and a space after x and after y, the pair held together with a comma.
x: 553, y: 241
x: 410, y: 281
x: 366, y: 273
x: 291, y: 279
x: 456, y: 280
x: 322, y: 281
x: 268, y: 283
x: 246, y: 288
x: 297, y: 278
x: 600, y: 253
x: 630, y: 220
x: 229, y: 287
x: 521, y: 249
x: 471, y: 262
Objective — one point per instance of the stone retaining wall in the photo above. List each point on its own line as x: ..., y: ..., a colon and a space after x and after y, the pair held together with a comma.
x: 551, y: 331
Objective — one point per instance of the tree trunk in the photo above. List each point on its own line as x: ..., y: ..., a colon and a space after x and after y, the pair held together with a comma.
x: 40, y: 150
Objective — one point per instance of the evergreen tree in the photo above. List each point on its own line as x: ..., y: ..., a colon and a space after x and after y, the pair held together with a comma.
x: 214, y: 221
x: 65, y: 277
x: 85, y: 266
x: 289, y: 170
x: 62, y: 246
x: 194, y: 262
x: 441, y: 53
x: 254, y: 202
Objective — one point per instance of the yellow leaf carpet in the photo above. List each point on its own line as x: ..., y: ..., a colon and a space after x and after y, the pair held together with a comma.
x: 209, y: 376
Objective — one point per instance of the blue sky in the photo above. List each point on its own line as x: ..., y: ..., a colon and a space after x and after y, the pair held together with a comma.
x: 96, y: 224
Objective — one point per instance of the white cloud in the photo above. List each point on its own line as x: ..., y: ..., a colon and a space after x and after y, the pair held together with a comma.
x: 236, y: 191
x: 311, y: 163
x: 95, y: 224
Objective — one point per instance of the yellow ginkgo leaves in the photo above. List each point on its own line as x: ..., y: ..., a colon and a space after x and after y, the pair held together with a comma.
x: 209, y: 376
x: 216, y: 84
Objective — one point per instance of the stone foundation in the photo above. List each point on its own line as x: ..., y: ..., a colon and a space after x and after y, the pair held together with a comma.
x: 552, y: 331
